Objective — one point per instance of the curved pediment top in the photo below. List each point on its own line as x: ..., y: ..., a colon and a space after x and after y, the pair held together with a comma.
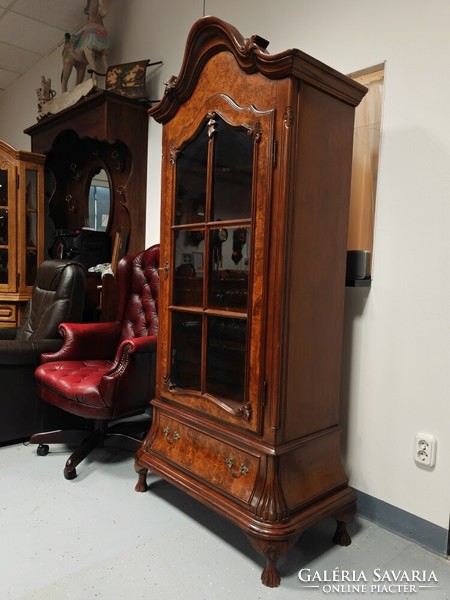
x: 210, y: 35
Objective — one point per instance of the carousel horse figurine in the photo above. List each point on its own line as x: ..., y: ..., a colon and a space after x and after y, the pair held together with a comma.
x: 89, y: 47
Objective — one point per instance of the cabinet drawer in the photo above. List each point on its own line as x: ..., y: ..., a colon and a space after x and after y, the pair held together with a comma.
x: 8, y: 313
x: 215, y: 462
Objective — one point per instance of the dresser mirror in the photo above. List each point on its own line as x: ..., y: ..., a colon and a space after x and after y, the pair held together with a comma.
x: 99, y: 200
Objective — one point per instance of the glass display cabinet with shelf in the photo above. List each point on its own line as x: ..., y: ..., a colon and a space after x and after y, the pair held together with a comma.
x: 256, y: 166
x: 21, y: 229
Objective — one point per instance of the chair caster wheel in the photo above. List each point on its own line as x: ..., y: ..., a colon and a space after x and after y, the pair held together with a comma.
x: 42, y: 450
x: 70, y: 474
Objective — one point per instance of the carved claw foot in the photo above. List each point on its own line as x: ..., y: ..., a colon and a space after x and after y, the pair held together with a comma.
x: 341, y: 535
x: 141, y: 485
x: 272, y: 550
x: 270, y: 575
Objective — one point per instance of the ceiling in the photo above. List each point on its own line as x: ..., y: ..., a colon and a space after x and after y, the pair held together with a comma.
x: 32, y: 29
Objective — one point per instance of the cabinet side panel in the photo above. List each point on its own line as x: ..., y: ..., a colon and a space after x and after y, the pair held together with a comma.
x: 319, y: 211
x: 318, y: 470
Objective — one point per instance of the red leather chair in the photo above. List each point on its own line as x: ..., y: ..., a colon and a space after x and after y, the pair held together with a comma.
x: 106, y: 371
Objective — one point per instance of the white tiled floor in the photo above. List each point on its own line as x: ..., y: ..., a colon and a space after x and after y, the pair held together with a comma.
x: 96, y: 538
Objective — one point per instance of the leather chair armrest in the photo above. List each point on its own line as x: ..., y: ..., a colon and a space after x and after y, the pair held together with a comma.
x: 86, y: 341
x: 135, y: 360
x: 28, y: 352
x: 146, y: 343
x: 132, y: 346
x: 8, y: 333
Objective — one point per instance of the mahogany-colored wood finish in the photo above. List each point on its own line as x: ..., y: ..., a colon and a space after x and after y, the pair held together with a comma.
x: 249, y: 347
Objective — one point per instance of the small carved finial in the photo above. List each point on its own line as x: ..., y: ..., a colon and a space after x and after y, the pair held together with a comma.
x: 252, y: 43
x: 170, y: 84
x: 44, y: 95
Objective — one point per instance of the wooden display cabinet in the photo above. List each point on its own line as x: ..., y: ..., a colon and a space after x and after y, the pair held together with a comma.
x: 21, y: 229
x: 256, y: 168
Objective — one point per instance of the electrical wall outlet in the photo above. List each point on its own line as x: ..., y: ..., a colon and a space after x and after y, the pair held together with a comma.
x: 425, y: 450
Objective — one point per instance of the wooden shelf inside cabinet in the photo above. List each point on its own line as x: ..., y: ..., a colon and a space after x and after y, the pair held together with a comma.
x: 251, y: 304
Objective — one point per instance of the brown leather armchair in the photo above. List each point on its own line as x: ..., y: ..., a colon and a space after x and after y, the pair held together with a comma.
x: 58, y: 295
x: 106, y: 371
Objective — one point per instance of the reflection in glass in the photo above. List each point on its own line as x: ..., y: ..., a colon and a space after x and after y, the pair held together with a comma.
x: 31, y: 264
x: 233, y: 172
x: 31, y: 234
x: 99, y: 201
x: 3, y: 265
x: 225, y: 368
x: 3, y: 227
x: 188, y: 279
x: 191, y: 161
x: 30, y: 189
x: 230, y: 264
x: 186, y: 351
x: 212, y: 239
x: 3, y: 187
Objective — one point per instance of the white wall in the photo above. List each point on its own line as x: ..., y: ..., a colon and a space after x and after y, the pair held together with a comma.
x: 396, y: 350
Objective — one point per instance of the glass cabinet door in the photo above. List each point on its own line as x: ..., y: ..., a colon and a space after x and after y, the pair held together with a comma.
x: 31, y: 225
x: 21, y: 229
x: 212, y: 249
x: 7, y: 218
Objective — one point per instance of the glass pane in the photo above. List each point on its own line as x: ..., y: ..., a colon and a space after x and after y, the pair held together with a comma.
x: 229, y: 268
x: 31, y: 235
x: 31, y: 189
x: 3, y: 227
x: 188, y: 279
x: 3, y: 265
x: 233, y: 173
x: 31, y: 260
x: 186, y: 351
x: 225, y: 369
x: 99, y: 201
x: 31, y: 227
x: 3, y: 187
x: 190, y: 198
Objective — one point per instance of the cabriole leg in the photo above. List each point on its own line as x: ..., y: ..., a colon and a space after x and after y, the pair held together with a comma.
x: 343, y: 517
x: 141, y: 485
x: 270, y: 575
x: 271, y: 550
x: 341, y: 535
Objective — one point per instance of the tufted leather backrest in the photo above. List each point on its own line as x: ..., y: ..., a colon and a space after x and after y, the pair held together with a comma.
x: 138, y: 287
x: 58, y: 295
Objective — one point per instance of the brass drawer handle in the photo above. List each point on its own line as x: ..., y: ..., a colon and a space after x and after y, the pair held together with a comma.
x: 171, y: 440
x: 165, y: 268
x: 243, y: 470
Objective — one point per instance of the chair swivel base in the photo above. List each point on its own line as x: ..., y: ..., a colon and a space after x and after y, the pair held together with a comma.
x: 88, y: 440
x: 85, y: 448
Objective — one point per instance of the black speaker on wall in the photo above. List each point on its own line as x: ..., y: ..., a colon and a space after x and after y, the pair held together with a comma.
x: 86, y: 246
x: 358, y: 264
